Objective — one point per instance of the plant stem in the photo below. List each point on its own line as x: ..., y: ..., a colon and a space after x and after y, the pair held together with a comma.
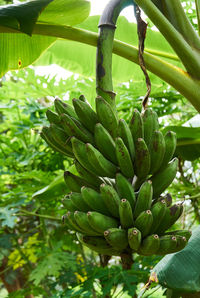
x: 188, y: 142
x: 24, y: 212
x: 173, y: 75
x: 189, y: 56
x: 127, y: 260
x: 197, y: 3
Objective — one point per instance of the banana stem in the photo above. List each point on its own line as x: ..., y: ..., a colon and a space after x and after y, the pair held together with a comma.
x: 197, y: 3
x: 189, y: 56
x: 24, y: 213
x: 174, y: 12
x: 107, y: 26
x: 127, y: 260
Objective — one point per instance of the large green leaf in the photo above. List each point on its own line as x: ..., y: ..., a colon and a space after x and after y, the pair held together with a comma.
x: 181, y: 271
x: 188, y: 141
x: 20, y: 50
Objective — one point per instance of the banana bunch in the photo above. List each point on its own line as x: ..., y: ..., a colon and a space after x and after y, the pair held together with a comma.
x: 115, y: 204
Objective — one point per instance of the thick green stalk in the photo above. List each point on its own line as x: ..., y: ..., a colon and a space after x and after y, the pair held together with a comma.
x: 107, y: 26
x: 189, y: 56
x: 174, y: 12
x: 176, y: 77
x: 197, y: 3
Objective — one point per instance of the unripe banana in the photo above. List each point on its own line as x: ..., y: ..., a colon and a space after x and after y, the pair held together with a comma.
x: 106, y: 116
x: 101, y: 165
x: 111, y: 199
x: 85, y: 114
x: 136, y: 126
x: 90, y: 178
x: 82, y: 98
x: 158, y: 211
x: 59, y: 135
x: 134, y: 238
x: 80, y: 152
x: 167, y: 198
x: 184, y: 233
x: 144, y: 198
x: 170, y: 217
x: 125, y: 189
x: 47, y: 136
x: 167, y: 245
x: 125, y: 134
x: 72, y: 222
x: 64, y: 108
x: 125, y: 214
x: 74, y: 128
x: 53, y: 117
x: 149, y: 245
x: 142, y: 159
x: 100, y: 222
x: 78, y: 202
x: 181, y: 243
x: 74, y: 182
x: 98, y: 244
x: 124, y: 159
x: 150, y: 122
x: 82, y: 221
x: 67, y: 202
x: 144, y: 222
x: 170, y: 147
x: 105, y: 143
x: 163, y: 178
x: 157, y: 151
x: 94, y: 200
x: 117, y: 238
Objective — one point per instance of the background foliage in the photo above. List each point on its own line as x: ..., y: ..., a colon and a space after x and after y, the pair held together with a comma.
x: 39, y: 256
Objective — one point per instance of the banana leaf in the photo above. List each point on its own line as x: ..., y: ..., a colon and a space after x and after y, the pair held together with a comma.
x: 180, y: 271
x: 56, y: 188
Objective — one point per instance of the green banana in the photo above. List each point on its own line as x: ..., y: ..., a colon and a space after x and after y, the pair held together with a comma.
x: 102, y: 166
x: 105, y: 143
x: 144, y: 198
x: 106, y: 116
x: 74, y: 182
x: 167, y: 198
x: 134, y: 238
x: 64, y: 108
x: 53, y: 117
x: 150, y: 122
x: 74, y: 128
x: 47, y: 136
x: 157, y: 151
x: 144, y: 222
x: 116, y: 238
x: 68, y: 204
x: 60, y: 137
x: 98, y: 244
x: 167, y: 245
x: 171, y: 215
x: 158, y: 211
x: 79, y: 150
x: 149, y: 245
x: 78, y: 202
x: 82, y: 221
x: 111, y: 199
x: 136, y: 126
x: 85, y: 114
x: 142, y: 159
x: 72, y: 222
x: 181, y: 243
x: 124, y: 159
x: 100, y: 222
x: 82, y: 98
x: 163, y: 178
x: 125, y: 214
x: 125, y: 134
x: 94, y: 200
x: 170, y: 147
x: 90, y: 178
x: 184, y: 233
x: 125, y: 189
